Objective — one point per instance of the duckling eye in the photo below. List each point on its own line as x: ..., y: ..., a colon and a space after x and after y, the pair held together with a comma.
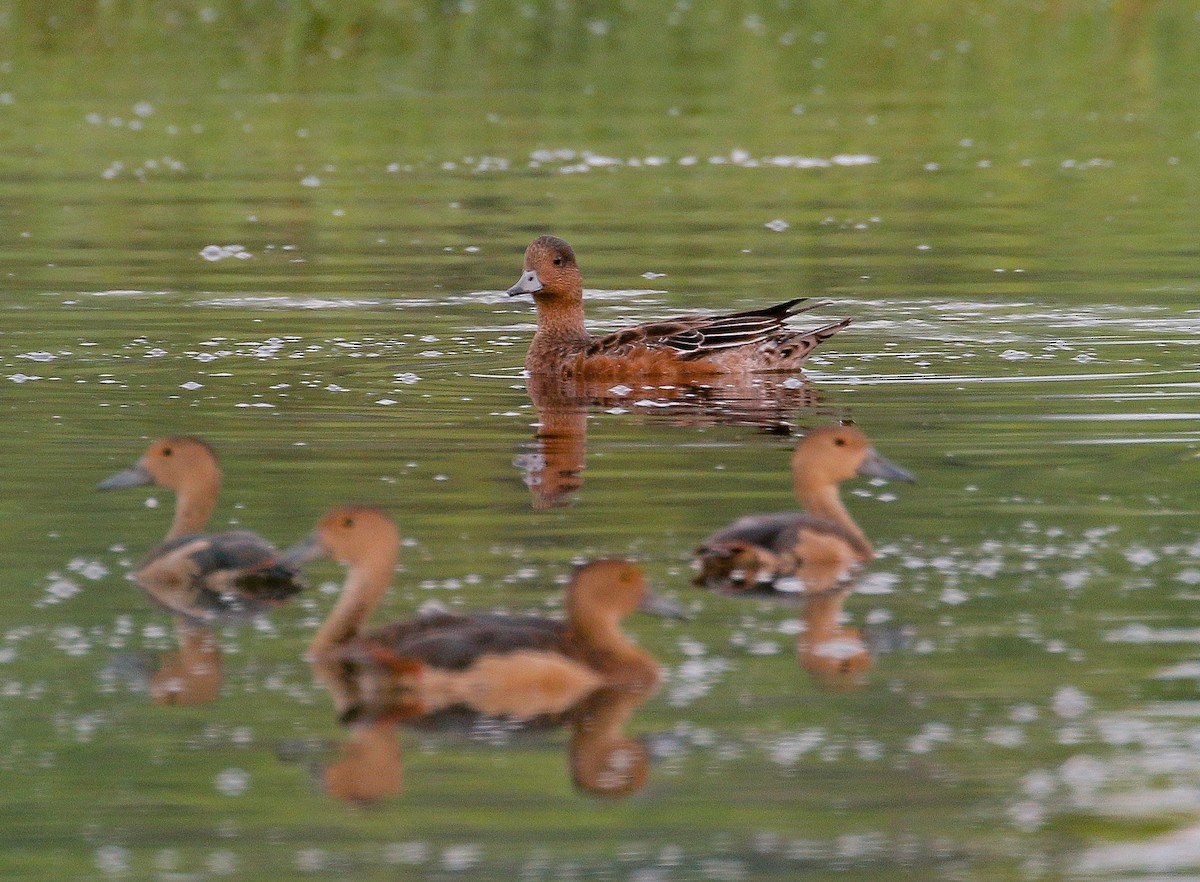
x: 840, y: 442
x: 558, y: 261
x: 348, y: 522
x: 167, y: 451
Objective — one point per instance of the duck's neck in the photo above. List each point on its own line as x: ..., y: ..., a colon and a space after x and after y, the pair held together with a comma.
x: 366, y: 583
x: 194, y: 505
x: 823, y: 500
x: 561, y: 329
x: 612, y: 653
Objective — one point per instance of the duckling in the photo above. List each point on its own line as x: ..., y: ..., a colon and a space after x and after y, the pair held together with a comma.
x: 498, y: 664
x: 202, y: 576
x: 686, y: 346
x: 772, y: 552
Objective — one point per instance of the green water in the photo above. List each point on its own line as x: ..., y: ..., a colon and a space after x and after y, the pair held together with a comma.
x: 1002, y: 195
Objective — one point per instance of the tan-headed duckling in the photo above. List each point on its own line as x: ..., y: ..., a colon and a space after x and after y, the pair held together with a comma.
x: 202, y: 576
x: 499, y: 664
x: 686, y: 346
x: 770, y: 552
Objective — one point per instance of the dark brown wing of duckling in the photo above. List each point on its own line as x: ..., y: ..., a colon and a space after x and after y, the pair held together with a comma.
x: 694, y: 336
x: 207, y: 576
x: 764, y: 544
x: 454, y: 642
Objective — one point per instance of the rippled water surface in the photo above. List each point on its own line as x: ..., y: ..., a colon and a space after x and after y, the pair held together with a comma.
x: 289, y: 231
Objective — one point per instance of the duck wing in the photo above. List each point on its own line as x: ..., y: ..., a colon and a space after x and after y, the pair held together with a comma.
x: 204, y: 576
x: 697, y: 335
x: 756, y: 550
x: 454, y: 642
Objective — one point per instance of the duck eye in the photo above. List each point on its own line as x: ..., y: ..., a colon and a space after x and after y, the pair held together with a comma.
x: 558, y: 261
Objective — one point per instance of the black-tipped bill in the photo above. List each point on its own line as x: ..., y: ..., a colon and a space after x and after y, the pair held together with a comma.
x: 308, y: 549
x: 875, y: 466
x: 134, y: 477
x: 529, y: 283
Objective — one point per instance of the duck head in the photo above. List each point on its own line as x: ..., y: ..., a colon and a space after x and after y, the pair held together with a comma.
x: 184, y: 464
x: 609, y: 590
x: 352, y: 535
x: 550, y: 273
x: 176, y: 463
x: 832, y: 454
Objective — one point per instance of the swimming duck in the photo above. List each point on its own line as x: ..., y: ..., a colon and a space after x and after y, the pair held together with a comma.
x: 202, y: 576
x: 775, y: 552
x: 498, y: 664
x: 755, y: 340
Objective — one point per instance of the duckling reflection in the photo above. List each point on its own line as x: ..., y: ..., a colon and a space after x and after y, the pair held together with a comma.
x: 204, y: 579
x: 836, y: 657
x: 553, y: 469
x: 484, y: 669
x: 769, y: 552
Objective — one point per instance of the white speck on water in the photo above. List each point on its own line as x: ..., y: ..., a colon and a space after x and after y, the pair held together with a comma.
x: 112, y: 859
x: 89, y: 569
x: 649, y: 274
x: 406, y: 852
x: 1024, y: 713
x: 222, y: 863
x: 221, y: 252
x: 1141, y: 557
x: 386, y: 401
x: 406, y: 378
x: 23, y: 378
x: 232, y: 782
x: 310, y: 181
x: 1140, y: 633
x: 38, y: 356
x: 334, y: 387
x: 877, y: 583
x: 191, y: 385
x: 924, y: 247
x: 1070, y: 703
x: 458, y: 858
x: 620, y: 390
x: 778, y: 225
x: 1027, y: 815
x: 1015, y: 355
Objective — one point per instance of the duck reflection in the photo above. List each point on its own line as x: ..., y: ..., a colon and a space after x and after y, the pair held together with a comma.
x: 836, y: 657
x: 553, y: 467
x: 480, y: 671
x: 773, y: 553
x: 204, y: 579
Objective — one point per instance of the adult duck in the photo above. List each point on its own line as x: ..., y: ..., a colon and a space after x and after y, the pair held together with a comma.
x: 203, y: 577
x: 773, y: 553
x: 497, y: 664
x: 681, y: 347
